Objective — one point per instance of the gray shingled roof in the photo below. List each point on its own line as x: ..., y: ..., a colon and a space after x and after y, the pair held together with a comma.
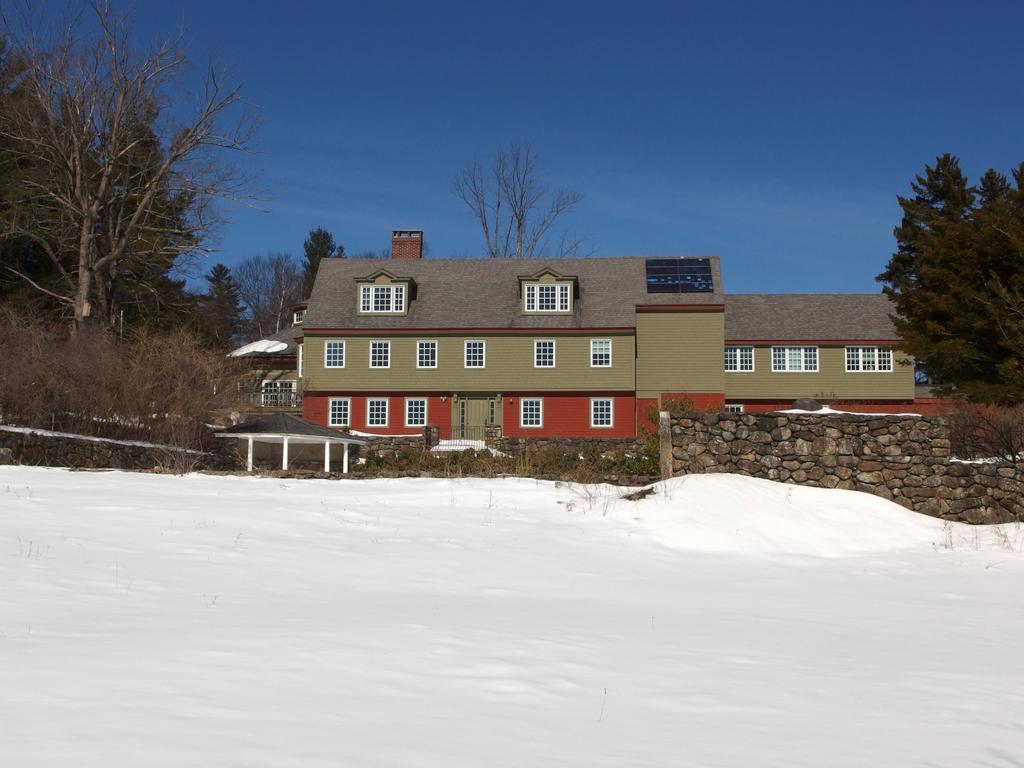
x: 484, y: 293
x: 285, y: 424
x: 818, y: 316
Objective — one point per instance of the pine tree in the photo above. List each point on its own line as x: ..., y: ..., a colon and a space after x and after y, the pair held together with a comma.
x: 221, y: 307
x: 953, y: 279
x: 319, y: 245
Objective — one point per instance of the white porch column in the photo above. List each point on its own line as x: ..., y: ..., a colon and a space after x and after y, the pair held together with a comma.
x: 344, y: 461
x: 327, y: 455
x: 248, y: 459
x: 284, y: 454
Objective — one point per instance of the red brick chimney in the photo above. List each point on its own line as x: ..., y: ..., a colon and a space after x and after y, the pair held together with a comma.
x: 407, y: 244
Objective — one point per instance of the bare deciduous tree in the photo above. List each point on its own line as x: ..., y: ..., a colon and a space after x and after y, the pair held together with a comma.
x: 269, y: 285
x: 122, y: 165
x: 515, y: 209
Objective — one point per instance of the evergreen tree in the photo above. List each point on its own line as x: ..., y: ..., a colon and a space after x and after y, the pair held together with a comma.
x: 953, y: 280
x: 221, y: 306
x: 319, y: 245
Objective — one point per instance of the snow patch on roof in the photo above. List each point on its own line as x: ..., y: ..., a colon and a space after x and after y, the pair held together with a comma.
x: 263, y: 346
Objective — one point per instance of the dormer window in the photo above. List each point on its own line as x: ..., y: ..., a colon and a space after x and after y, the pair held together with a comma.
x: 547, y: 297
x: 298, y: 317
x: 382, y: 299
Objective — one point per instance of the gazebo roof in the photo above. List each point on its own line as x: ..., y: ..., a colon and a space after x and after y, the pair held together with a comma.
x: 280, y: 425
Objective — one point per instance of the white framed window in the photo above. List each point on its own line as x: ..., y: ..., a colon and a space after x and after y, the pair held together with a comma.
x: 475, y: 354
x: 277, y: 393
x: 547, y: 297
x: 531, y: 412
x: 334, y: 354
x: 300, y: 360
x: 600, y: 353
x: 794, y: 359
x: 415, y: 412
x: 868, y: 359
x: 601, y: 412
x: 338, y: 412
x: 380, y: 354
x: 298, y: 316
x: 739, y: 359
x: 382, y: 299
x: 544, y: 353
x: 376, y: 412
x: 426, y: 354
x: 734, y: 407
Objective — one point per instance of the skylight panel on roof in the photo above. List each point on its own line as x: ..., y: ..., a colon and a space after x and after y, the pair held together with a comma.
x: 679, y: 276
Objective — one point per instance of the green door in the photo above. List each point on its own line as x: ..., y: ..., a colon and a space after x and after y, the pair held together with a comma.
x: 472, y: 417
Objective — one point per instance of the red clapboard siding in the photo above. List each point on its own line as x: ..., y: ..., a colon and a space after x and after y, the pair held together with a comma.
x: 568, y: 415
x: 439, y: 412
x: 645, y: 407
x: 702, y: 401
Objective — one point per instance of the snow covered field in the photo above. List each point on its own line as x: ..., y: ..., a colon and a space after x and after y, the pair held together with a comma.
x: 222, y: 621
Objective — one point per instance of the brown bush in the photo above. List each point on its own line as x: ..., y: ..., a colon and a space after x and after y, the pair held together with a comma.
x: 587, y: 466
x: 155, y: 387
x: 987, y: 431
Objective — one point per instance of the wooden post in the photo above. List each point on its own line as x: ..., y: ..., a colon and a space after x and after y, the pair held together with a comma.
x: 284, y: 454
x: 344, y: 461
x: 665, y: 444
x: 327, y: 455
x: 248, y: 461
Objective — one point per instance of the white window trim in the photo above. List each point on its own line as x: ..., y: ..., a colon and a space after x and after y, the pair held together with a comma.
x: 737, y: 369
x: 554, y: 353
x: 299, y: 366
x: 387, y: 411
x: 344, y: 353
x: 609, y: 353
x: 298, y: 316
x: 611, y: 413
x: 536, y: 299
x: 878, y: 356
x: 465, y: 354
x: 370, y: 353
x: 734, y: 408
x: 426, y: 411
x: 366, y: 291
x: 817, y: 358
x: 348, y: 410
x: 436, y: 352
x: 522, y: 406
x: 294, y: 390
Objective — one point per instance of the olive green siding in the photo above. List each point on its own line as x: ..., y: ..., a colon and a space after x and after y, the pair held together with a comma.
x: 679, y: 352
x: 509, y: 365
x: 830, y: 382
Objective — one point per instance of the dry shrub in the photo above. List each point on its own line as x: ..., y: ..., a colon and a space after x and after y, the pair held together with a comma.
x: 587, y: 466
x: 987, y: 431
x: 154, y: 387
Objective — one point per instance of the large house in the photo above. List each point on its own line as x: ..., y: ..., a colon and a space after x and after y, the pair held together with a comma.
x: 575, y: 347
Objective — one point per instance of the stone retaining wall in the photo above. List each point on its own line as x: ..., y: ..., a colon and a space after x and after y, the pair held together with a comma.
x: 905, y: 459
x: 40, y: 448
x: 390, y: 445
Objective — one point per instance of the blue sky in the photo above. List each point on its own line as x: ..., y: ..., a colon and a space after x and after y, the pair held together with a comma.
x: 776, y: 136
